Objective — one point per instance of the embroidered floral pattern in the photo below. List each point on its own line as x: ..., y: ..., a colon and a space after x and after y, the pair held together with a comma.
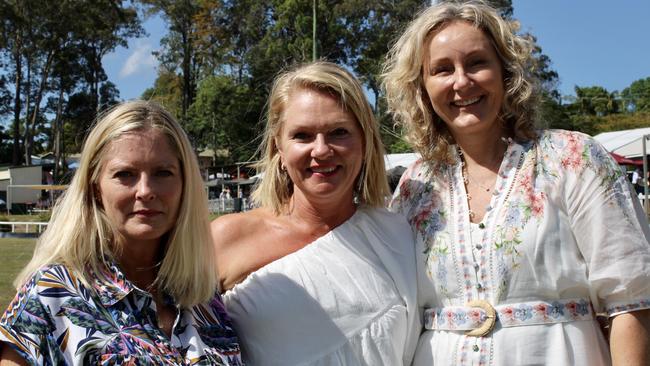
x: 528, y: 313
x: 552, y: 202
x: 642, y: 304
x: 56, y: 320
x: 428, y: 219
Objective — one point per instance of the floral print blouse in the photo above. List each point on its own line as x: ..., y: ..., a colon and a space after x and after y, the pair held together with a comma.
x: 57, y: 320
x: 562, y: 226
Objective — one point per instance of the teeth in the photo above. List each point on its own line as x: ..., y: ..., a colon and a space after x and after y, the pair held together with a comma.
x: 323, y: 170
x: 463, y: 103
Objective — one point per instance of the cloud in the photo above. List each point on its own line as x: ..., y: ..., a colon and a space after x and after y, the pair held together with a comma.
x: 139, y: 60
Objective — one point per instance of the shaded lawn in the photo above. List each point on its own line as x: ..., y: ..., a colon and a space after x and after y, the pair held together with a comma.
x: 15, y: 254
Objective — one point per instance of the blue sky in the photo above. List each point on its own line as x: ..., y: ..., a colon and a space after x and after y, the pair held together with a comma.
x: 590, y: 42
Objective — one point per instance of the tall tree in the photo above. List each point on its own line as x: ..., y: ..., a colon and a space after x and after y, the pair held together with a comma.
x: 106, y: 24
x: 179, y: 45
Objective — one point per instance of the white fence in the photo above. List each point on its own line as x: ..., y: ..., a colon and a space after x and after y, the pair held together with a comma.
x: 227, y: 205
x: 40, y: 226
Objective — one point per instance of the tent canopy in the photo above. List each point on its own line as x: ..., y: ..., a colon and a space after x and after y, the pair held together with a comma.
x: 627, y: 143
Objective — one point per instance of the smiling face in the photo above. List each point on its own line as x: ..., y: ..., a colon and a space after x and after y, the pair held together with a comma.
x: 321, y: 146
x: 140, y: 185
x: 463, y: 78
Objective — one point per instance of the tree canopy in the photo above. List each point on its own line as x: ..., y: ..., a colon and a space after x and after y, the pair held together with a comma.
x: 216, y: 62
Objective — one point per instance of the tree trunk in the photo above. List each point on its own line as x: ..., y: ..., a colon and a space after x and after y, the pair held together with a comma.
x: 15, y: 159
x: 29, y: 137
x: 186, y: 73
x: 28, y: 93
x: 56, y: 135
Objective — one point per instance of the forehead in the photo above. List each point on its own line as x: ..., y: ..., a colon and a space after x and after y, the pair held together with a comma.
x: 311, y: 107
x: 457, y: 37
x: 141, y: 145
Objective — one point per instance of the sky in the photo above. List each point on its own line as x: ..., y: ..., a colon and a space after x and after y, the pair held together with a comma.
x: 590, y: 42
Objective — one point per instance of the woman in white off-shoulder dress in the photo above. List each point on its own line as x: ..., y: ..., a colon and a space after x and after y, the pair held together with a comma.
x: 321, y: 273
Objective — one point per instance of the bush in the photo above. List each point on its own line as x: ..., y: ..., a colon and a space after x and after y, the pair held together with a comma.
x: 45, y: 216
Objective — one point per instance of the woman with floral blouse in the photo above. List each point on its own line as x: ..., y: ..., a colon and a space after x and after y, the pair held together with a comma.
x: 524, y: 234
x: 124, y: 274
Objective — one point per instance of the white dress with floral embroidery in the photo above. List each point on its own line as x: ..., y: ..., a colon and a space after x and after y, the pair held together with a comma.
x: 562, y: 224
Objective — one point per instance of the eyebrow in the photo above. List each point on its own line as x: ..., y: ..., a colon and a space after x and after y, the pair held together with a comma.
x: 124, y: 165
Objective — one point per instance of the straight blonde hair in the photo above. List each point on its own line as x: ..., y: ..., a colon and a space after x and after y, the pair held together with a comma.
x: 81, y: 237
x: 276, y: 188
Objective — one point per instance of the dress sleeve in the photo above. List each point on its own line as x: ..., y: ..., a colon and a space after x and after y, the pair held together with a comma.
x: 27, y: 324
x: 610, y: 228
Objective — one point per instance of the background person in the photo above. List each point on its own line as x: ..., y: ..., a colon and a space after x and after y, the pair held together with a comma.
x: 538, y: 226
x: 124, y: 273
x: 320, y: 279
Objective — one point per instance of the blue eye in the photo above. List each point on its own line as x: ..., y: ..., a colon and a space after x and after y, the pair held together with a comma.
x: 164, y: 173
x: 300, y: 136
x: 441, y: 70
x: 123, y: 174
x: 339, y: 132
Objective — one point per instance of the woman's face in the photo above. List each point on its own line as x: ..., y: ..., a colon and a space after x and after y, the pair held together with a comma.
x: 463, y: 78
x: 321, y: 146
x: 140, y: 186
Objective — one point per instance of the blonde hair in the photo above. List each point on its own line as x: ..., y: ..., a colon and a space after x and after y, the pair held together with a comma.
x: 276, y: 188
x: 403, y: 79
x: 80, y: 236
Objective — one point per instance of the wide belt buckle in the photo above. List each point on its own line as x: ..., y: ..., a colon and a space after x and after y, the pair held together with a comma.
x: 490, y: 320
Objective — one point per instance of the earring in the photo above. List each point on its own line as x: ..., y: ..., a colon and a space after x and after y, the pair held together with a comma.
x: 358, y: 194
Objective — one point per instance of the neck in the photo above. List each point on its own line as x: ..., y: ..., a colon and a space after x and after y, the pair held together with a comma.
x: 140, y: 262
x: 485, y: 150
x: 319, y: 218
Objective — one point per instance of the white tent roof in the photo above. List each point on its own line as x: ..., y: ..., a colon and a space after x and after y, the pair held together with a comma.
x: 627, y: 143
x: 395, y: 160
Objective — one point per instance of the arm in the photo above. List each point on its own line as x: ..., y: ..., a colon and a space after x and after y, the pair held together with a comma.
x: 630, y: 338
x: 9, y: 357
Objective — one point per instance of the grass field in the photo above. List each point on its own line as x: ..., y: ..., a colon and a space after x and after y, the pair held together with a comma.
x: 15, y: 254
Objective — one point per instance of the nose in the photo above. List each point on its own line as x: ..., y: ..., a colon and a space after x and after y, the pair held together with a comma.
x: 461, y: 80
x: 145, y: 189
x: 321, y: 148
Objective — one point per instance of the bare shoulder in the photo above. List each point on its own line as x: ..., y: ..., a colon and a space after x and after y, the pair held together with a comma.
x: 237, y: 240
x: 229, y: 230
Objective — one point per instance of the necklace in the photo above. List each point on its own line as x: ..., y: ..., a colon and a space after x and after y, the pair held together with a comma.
x: 467, y: 177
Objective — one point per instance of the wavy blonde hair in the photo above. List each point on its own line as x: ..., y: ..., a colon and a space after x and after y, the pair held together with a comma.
x: 403, y: 83
x: 276, y: 188
x: 80, y: 235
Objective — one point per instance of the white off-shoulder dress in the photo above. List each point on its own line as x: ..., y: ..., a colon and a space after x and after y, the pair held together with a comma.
x: 348, y: 298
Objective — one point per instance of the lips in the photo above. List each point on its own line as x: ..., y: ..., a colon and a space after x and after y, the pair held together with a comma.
x: 323, y: 170
x: 466, y: 102
x: 146, y: 213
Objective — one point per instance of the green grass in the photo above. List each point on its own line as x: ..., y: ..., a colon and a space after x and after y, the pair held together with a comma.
x: 15, y: 254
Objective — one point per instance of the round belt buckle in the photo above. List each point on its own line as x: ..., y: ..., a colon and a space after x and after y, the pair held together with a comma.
x: 490, y: 320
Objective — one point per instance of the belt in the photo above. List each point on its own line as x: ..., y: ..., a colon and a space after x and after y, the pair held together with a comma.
x: 478, y: 317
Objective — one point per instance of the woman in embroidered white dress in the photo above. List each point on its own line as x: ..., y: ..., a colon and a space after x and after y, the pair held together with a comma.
x: 320, y: 277
x: 523, y: 234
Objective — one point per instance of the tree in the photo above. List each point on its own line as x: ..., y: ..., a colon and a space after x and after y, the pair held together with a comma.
x: 106, y: 24
x: 636, y: 97
x: 595, y: 101
x: 217, y: 121
x: 167, y: 90
x: 180, y: 44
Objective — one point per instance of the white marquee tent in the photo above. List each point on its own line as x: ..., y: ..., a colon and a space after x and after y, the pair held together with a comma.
x: 627, y: 143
